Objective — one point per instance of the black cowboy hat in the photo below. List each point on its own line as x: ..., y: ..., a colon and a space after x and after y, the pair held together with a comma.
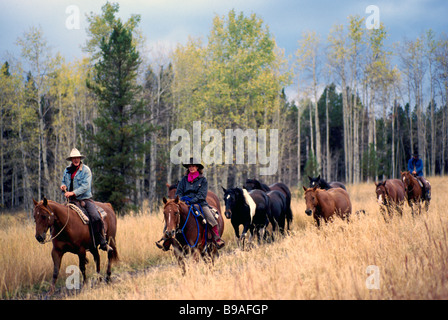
x: 199, y: 165
x: 415, y: 154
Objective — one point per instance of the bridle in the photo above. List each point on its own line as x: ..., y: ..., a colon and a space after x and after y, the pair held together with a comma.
x: 51, y: 213
x: 176, y: 214
x: 409, y: 186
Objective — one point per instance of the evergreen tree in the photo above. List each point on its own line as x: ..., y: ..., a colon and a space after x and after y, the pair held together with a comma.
x: 118, y: 141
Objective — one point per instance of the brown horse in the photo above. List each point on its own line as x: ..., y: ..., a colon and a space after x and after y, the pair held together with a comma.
x: 187, y: 233
x: 414, y: 192
x: 70, y: 234
x: 323, y: 204
x: 390, y: 195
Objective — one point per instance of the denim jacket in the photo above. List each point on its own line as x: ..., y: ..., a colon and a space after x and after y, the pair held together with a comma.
x: 197, y: 190
x: 417, y: 165
x: 82, y: 182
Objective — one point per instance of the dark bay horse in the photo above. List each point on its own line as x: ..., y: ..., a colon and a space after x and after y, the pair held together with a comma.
x: 279, y: 210
x: 323, y: 204
x: 252, y: 210
x: 321, y: 183
x: 414, y: 192
x: 187, y: 233
x: 390, y: 194
x: 70, y: 234
x: 252, y: 184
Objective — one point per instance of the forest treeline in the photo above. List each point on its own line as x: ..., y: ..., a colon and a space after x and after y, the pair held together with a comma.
x: 363, y: 107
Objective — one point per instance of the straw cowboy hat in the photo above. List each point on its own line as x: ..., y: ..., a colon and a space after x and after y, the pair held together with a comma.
x: 199, y: 165
x: 75, y: 154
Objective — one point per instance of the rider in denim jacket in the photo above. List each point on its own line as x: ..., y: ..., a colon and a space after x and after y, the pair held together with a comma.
x: 77, y: 185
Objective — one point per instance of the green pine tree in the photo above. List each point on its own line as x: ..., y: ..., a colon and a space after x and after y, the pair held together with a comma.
x: 116, y: 161
x: 311, y: 169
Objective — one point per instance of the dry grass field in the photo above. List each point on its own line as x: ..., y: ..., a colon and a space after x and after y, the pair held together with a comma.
x: 409, y: 255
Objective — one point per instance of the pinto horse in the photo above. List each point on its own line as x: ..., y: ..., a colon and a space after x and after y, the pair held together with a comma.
x: 321, y: 183
x: 187, y: 233
x: 240, y: 210
x: 390, y: 195
x: 323, y: 204
x: 70, y: 234
x: 252, y: 210
x: 414, y: 192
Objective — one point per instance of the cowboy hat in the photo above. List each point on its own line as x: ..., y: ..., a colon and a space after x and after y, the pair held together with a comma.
x: 74, y: 154
x: 199, y: 165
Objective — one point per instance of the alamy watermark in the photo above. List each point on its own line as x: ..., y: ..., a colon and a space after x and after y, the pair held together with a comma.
x: 373, y: 277
x: 72, y: 22
x: 373, y: 20
x: 234, y: 153
x: 73, y: 281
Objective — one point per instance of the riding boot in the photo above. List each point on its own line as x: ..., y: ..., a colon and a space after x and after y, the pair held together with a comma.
x: 100, y: 238
x: 216, y: 238
x: 165, y: 246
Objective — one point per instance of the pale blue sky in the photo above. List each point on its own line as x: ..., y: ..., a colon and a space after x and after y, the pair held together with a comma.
x: 172, y: 21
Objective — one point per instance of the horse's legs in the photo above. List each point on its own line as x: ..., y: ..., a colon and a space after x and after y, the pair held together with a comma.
x: 399, y: 209
x: 236, y: 227
x: 317, y: 219
x: 178, y: 253
x: 82, y: 266
x: 96, y: 257
x: 426, y: 205
x: 110, y: 257
x: 56, y: 255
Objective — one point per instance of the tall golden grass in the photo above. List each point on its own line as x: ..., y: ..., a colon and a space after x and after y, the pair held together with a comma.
x: 409, y: 253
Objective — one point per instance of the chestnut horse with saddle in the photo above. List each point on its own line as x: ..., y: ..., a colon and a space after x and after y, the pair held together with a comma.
x: 186, y: 232
x: 415, y: 191
x: 69, y: 233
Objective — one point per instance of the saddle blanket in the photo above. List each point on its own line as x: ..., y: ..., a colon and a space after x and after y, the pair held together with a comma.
x: 83, y: 216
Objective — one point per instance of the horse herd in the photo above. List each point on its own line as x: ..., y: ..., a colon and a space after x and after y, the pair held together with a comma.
x: 254, y: 206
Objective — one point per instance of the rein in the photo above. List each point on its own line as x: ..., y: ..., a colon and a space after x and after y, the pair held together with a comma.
x: 60, y: 231
x: 191, y: 211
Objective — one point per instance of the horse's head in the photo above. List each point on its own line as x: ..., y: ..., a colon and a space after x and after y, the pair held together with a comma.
x: 314, y: 181
x: 171, y: 213
x: 408, y: 180
x: 310, y: 200
x: 229, y: 200
x: 252, y: 184
x: 381, y: 192
x: 44, y: 218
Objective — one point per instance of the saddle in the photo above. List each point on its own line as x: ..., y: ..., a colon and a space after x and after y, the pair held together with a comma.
x: 82, y: 213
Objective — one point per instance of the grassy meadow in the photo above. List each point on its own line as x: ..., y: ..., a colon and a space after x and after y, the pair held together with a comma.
x: 410, y: 255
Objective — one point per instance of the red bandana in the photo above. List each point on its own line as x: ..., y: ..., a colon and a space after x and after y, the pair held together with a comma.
x: 192, y: 176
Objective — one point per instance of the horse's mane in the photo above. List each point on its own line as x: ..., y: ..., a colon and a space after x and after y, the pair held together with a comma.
x: 256, y: 183
x: 324, y: 184
x: 173, y: 186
